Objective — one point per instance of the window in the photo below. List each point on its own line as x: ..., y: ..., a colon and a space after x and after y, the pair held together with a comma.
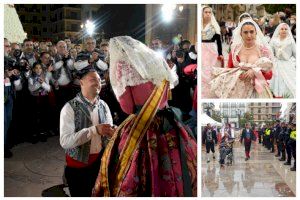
x: 259, y: 111
x: 225, y: 113
x: 35, y: 31
x: 259, y: 104
x: 44, y: 29
x: 74, y: 27
x: 73, y: 15
x: 259, y: 117
x: 267, y: 104
x: 34, y: 19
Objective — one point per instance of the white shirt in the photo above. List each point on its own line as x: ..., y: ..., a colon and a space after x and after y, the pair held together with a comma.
x: 63, y: 79
x: 79, y: 65
x: 35, y: 86
x: 70, y: 139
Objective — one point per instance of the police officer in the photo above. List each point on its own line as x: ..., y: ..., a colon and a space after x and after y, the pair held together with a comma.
x: 292, y: 144
x: 286, y: 143
x: 281, y: 137
x: 277, y: 131
x: 267, y: 137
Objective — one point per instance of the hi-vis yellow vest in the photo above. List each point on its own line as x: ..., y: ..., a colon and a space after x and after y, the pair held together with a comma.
x: 293, y: 135
x: 268, y: 132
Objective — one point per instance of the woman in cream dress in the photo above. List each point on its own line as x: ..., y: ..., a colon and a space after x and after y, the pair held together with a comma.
x: 283, y: 83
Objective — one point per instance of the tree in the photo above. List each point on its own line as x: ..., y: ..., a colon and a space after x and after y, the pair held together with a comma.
x: 247, y: 118
x: 273, y: 8
x: 217, y: 117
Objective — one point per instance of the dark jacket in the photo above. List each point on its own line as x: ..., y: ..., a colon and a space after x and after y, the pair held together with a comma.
x: 243, y: 136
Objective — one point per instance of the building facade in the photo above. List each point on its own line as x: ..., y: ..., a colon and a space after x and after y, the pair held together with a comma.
x: 226, y: 12
x: 50, y: 21
x: 184, y: 23
x: 264, y: 112
x: 232, y: 112
x: 289, y: 114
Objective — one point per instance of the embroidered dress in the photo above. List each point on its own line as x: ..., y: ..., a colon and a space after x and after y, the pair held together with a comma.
x: 152, y: 153
x: 226, y: 83
x: 283, y: 83
x: 210, y: 50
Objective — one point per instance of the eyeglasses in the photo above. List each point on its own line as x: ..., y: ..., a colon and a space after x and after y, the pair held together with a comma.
x: 89, y: 43
x: 6, y: 46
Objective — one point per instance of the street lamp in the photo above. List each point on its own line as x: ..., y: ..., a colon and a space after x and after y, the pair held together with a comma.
x: 90, y: 27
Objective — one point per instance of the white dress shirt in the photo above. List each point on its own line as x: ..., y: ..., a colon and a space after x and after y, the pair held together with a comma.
x: 64, y: 79
x: 70, y: 139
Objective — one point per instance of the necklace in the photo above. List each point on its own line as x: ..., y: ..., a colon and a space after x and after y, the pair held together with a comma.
x: 249, y: 48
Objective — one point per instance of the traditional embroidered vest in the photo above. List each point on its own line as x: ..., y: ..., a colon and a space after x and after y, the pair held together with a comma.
x: 82, y: 119
x: 56, y: 73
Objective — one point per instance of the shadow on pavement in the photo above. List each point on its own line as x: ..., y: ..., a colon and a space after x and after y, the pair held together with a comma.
x: 55, y: 191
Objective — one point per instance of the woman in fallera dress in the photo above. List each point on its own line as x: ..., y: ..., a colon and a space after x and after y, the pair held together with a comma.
x: 250, y: 65
x: 283, y: 83
x: 211, y: 49
x: 152, y: 153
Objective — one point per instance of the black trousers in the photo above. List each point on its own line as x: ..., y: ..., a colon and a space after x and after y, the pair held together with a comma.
x: 279, y: 147
x: 283, y: 147
x: 288, y: 152
x: 268, y: 142
x: 272, y: 143
x: 82, y: 180
x: 293, y: 151
x: 210, y: 146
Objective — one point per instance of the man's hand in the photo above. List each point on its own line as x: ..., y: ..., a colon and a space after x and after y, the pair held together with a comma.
x: 105, y: 129
x: 16, y: 72
x: 95, y: 56
x: 66, y: 54
x: 50, y: 68
x: 41, y: 80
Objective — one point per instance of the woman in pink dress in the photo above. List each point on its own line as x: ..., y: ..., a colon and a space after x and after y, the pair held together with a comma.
x: 151, y: 153
x: 211, y: 49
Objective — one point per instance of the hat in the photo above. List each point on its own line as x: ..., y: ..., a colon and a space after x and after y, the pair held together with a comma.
x: 81, y: 73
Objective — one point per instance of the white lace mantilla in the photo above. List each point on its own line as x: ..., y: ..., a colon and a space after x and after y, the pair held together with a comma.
x: 133, y: 63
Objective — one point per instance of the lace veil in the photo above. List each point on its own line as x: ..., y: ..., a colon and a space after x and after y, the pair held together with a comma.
x: 237, y: 40
x: 289, y: 38
x: 213, y: 20
x: 133, y: 63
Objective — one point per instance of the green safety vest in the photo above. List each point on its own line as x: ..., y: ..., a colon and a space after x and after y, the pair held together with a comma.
x: 268, y: 132
x: 293, y: 135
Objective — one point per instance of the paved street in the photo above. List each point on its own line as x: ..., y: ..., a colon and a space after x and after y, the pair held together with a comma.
x: 34, y: 168
x: 261, y: 176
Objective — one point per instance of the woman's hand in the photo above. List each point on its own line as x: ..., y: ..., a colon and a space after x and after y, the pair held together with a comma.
x: 245, y: 68
x: 248, y: 75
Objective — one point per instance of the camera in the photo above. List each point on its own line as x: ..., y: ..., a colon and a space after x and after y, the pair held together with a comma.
x: 20, y: 63
x: 180, y: 53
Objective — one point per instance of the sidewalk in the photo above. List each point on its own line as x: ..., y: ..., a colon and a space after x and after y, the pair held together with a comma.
x: 34, y: 168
